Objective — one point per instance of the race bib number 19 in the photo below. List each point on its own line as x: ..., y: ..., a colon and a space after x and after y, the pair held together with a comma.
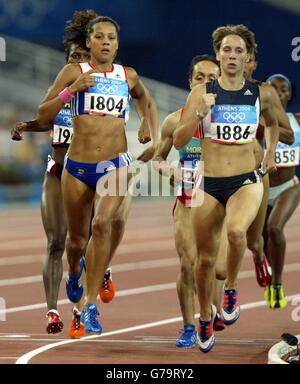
x: 62, y: 135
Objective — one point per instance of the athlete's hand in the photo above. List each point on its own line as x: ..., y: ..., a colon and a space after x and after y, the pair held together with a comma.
x: 175, y: 177
x: 144, y: 132
x: 209, y: 100
x: 147, y: 154
x: 268, y: 163
x: 84, y: 81
x: 17, y: 131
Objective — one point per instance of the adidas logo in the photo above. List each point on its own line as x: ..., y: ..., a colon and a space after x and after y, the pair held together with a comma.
x: 247, y: 181
x: 110, y: 168
x: 248, y: 92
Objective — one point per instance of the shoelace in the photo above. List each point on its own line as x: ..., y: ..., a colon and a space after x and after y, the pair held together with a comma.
x: 92, y: 317
x: 205, y: 330
x: 277, y: 293
x: 105, y: 283
x: 230, y: 300
x: 76, y: 321
x: 186, y: 333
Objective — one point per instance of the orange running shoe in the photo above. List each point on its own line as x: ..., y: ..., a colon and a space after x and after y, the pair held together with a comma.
x: 76, y: 330
x: 54, y: 323
x: 107, y: 289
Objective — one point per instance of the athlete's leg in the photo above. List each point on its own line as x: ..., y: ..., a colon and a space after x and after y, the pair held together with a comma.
x: 118, y: 224
x: 283, y: 209
x: 78, y: 202
x: 255, y: 240
x: 221, y: 264
x: 98, y: 252
x: 186, y: 249
x: 55, y: 228
x: 207, y: 221
x: 241, y: 209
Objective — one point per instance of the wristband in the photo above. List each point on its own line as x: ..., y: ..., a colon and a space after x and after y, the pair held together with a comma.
x: 65, y: 95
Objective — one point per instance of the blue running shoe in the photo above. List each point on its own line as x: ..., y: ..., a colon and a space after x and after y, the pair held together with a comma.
x: 89, y: 319
x: 188, y: 337
x: 74, y: 287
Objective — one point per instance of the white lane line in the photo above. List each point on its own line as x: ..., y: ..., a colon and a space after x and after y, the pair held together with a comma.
x: 133, y: 266
x: 137, y: 291
x: 133, y: 247
x: 28, y: 356
x: 124, y: 292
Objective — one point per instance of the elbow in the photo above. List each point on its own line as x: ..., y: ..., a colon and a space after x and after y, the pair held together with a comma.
x: 177, y: 141
x: 288, y: 138
x: 41, y: 116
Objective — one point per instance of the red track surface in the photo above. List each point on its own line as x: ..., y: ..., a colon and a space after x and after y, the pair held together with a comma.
x: 146, y: 258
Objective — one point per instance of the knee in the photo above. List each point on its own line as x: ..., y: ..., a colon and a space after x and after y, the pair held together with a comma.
x: 274, y: 232
x: 187, y: 270
x: 56, y: 247
x: 76, y: 244
x: 236, y: 236
x: 221, y: 273
x: 206, y: 263
x: 101, y: 226
x: 118, y: 224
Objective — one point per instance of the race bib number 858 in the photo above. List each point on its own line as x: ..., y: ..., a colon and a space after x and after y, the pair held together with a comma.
x: 287, y: 157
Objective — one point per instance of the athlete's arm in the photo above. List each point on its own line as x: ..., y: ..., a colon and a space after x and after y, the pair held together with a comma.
x: 297, y: 116
x: 165, y: 144
x: 271, y: 129
x: 153, y: 119
x: 286, y: 133
x: 164, y: 147
x: 197, y: 106
x: 71, y: 77
x: 29, y: 126
x: 137, y: 91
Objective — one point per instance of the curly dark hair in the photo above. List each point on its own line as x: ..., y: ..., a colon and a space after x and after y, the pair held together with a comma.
x: 76, y: 29
x: 239, y: 30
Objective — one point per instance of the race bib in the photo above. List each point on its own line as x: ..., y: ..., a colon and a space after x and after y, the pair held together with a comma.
x: 62, y: 135
x: 235, y: 124
x: 107, y: 96
x: 287, y: 157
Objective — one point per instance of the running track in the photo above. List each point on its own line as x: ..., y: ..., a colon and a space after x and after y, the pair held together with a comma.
x: 141, y: 324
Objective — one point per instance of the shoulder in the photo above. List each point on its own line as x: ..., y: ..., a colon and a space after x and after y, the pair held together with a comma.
x: 131, y: 72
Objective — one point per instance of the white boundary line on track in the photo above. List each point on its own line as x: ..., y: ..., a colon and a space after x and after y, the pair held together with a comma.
x: 136, y: 291
x: 29, y: 355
